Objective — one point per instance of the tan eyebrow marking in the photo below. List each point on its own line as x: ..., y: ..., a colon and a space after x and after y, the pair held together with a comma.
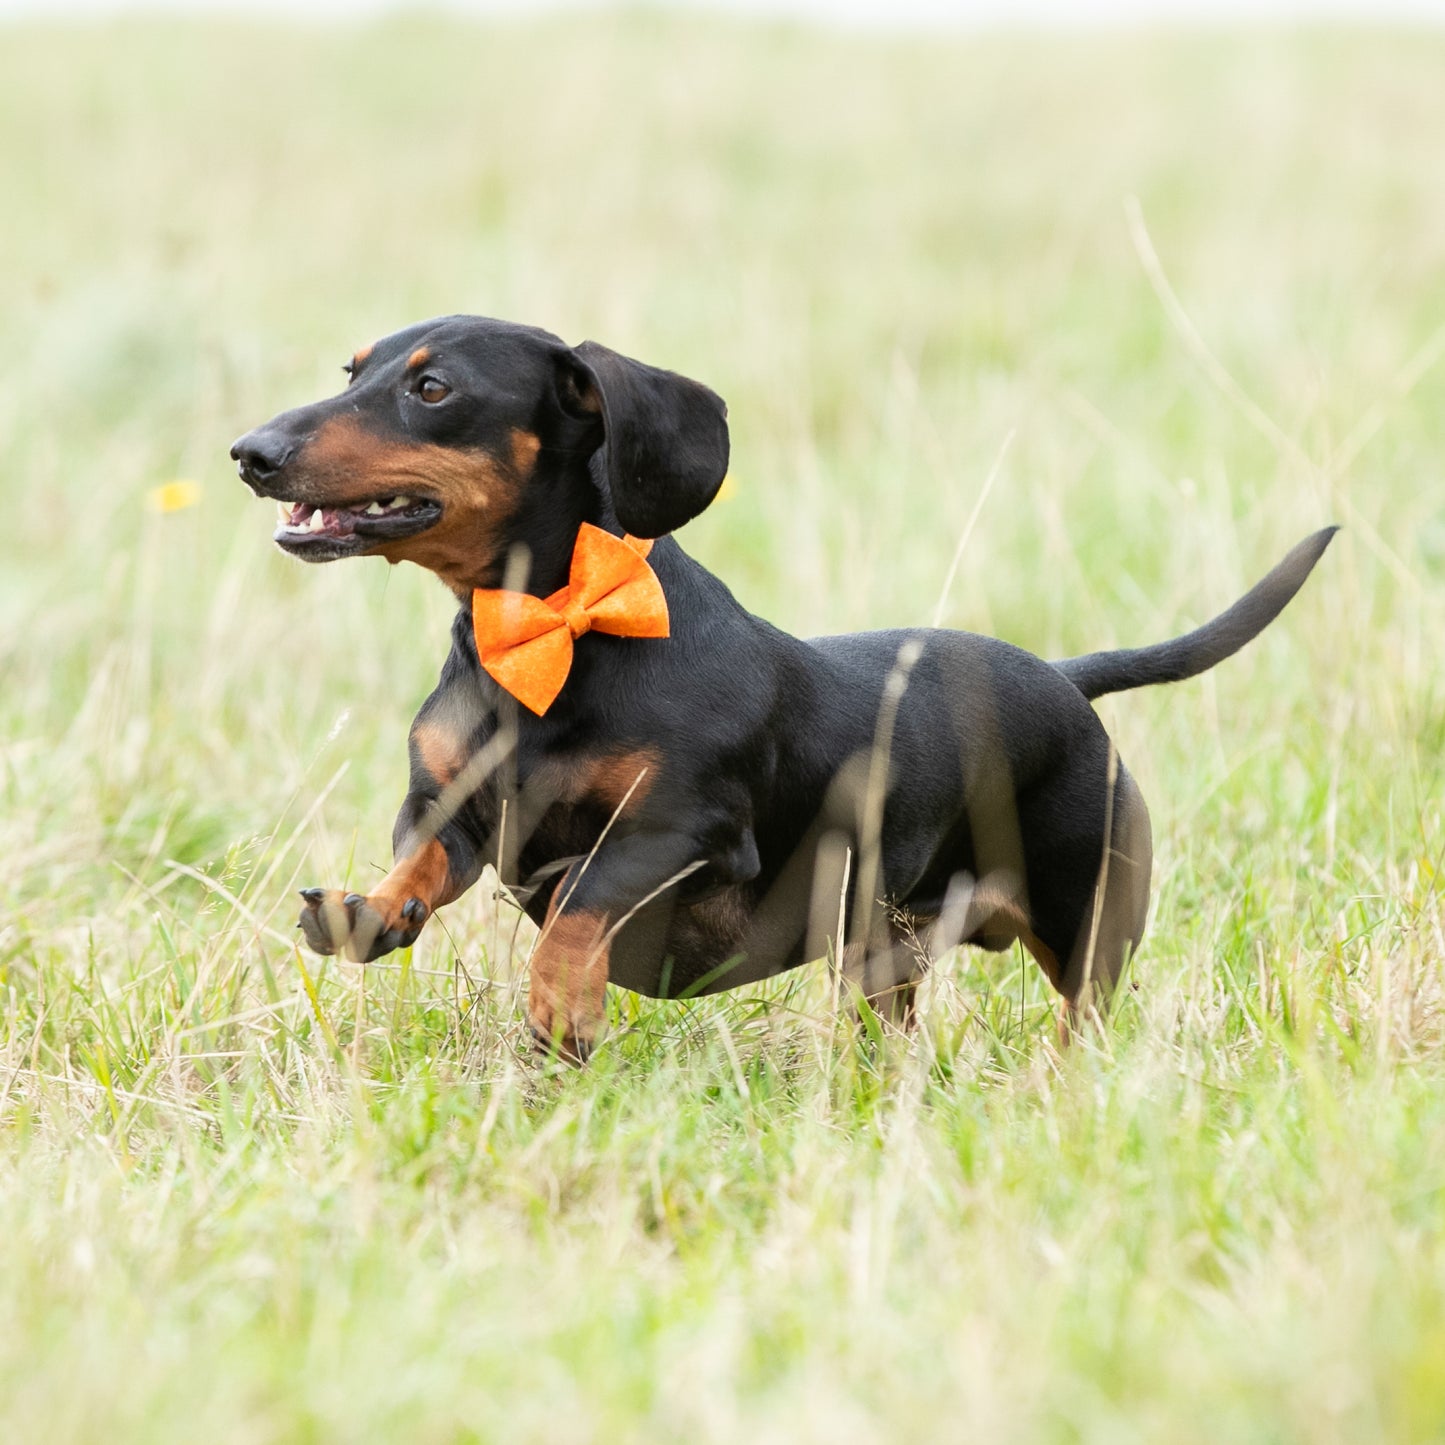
x: 525, y: 446
x: 419, y: 357
x: 361, y: 355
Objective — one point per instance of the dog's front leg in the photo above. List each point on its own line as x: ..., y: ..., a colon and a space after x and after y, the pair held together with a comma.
x: 431, y: 868
x: 436, y: 847
x: 566, y: 1000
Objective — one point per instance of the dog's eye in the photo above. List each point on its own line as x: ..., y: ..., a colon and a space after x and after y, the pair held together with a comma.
x: 432, y: 391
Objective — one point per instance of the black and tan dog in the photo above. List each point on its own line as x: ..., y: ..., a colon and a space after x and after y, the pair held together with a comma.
x: 698, y: 811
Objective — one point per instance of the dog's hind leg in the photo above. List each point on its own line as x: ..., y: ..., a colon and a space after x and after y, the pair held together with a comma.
x: 886, y: 976
x: 1113, y: 925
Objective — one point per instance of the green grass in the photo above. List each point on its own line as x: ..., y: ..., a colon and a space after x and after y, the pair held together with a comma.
x: 249, y: 1196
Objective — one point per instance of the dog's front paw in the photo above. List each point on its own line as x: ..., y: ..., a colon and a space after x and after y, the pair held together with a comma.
x: 570, y: 1044
x: 362, y: 928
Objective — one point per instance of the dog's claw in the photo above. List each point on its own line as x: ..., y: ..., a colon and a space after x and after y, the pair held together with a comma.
x: 313, y: 895
x: 353, y: 900
x: 413, y: 910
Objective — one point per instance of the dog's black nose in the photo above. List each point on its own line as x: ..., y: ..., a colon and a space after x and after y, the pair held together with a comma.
x: 259, y: 455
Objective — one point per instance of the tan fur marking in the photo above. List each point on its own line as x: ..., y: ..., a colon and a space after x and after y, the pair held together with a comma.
x: 567, y: 995
x: 611, y: 778
x: 1046, y: 958
x: 898, y: 1006
x: 1006, y: 920
x: 361, y: 355
x: 440, y: 751
x: 419, y: 357
x: 601, y: 778
x: 525, y: 447
x: 422, y: 875
x: 888, y: 976
x: 346, y: 464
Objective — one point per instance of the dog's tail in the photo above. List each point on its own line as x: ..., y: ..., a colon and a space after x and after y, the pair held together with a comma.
x: 1098, y: 673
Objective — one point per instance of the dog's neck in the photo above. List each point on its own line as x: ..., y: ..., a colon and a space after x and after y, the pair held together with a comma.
x: 537, y: 557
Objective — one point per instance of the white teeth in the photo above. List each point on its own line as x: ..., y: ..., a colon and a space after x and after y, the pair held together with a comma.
x: 317, y: 521
x: 283, y: 512
x: 399, y: 502
x: 375, y: 510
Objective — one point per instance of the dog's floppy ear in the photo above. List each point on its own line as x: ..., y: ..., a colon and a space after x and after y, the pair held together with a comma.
x: 665, y: 446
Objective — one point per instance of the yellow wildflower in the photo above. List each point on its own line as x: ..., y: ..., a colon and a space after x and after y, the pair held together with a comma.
x: 173, y: 496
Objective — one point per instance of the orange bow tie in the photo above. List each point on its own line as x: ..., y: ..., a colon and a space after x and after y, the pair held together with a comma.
x: 526, y: 642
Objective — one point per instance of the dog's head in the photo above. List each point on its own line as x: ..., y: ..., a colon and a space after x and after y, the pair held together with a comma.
x: 461, y: 439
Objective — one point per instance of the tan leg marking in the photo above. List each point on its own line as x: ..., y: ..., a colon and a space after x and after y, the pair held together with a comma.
x: 422, y: 875
x: 567, y: 996
x: 898, y: 1006
x: 889, y: 979
x: 398, y: 905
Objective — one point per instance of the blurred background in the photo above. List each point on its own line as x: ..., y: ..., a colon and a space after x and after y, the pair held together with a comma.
x: 886, y: 14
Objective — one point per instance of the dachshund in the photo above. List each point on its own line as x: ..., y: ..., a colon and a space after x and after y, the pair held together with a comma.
x: 684, y: 798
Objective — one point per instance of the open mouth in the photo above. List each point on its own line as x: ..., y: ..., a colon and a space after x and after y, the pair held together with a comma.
x: 320, y: 533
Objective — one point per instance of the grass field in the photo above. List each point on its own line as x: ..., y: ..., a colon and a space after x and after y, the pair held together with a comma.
x: 246, y: 1196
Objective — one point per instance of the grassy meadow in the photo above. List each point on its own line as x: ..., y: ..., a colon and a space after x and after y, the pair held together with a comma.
x: 1186, y: 293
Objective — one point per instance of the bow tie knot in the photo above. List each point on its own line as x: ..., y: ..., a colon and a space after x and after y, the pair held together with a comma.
x: 525, y: 642
x: 578, y: 619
